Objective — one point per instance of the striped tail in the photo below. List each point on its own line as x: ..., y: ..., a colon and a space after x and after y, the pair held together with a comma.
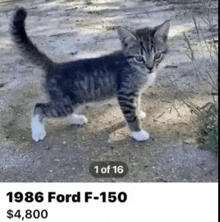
x: 23, y: 42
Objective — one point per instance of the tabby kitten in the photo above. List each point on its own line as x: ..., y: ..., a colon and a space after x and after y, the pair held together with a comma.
x: 122, y: 74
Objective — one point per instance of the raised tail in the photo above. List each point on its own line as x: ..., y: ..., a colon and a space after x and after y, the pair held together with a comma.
x: 23, y: 42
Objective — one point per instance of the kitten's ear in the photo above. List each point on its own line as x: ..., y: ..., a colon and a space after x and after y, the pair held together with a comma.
x: 126, y: 36
x: 162, y: 30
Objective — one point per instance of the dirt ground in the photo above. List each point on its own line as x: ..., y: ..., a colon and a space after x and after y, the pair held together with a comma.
x: 69, y: 30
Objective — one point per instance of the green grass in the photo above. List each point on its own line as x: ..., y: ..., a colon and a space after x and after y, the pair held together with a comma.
x: 208, y: 114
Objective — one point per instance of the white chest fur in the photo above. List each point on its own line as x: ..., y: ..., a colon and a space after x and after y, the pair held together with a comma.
x: 150, y: 79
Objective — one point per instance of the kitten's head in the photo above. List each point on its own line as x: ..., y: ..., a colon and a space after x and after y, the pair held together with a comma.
x: 145, y: 48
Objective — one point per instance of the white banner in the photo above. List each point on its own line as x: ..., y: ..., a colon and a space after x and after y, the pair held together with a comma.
x: 51, y: 202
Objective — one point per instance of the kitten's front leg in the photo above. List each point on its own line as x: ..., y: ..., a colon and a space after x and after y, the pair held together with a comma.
x: 142, y: 114
x: 128, y: 106
x: 141, y: 135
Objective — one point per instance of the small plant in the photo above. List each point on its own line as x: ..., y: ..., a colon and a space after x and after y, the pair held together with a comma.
x: 211, y: 126
x: 208, y: 114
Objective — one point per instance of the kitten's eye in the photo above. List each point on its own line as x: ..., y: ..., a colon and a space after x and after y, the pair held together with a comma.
x: 139, y: 58
x: 157, y: 55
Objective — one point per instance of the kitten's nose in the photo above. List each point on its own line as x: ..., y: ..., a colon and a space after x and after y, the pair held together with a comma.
x: 150, y: 68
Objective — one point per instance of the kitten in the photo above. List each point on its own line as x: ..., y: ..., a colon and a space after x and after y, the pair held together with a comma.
x: 123, y: 74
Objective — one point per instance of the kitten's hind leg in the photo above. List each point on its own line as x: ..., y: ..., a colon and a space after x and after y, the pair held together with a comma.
x: 37, y: 128
x: 46, y: 110
x: 78, y: 119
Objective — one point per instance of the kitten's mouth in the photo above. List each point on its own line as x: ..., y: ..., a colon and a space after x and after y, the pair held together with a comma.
x: 150, y: 71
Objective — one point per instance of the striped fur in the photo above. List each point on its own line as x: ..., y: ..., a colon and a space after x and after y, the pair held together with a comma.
x: 122, y: 74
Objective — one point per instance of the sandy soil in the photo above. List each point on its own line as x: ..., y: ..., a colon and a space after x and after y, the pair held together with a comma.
x: 69, y: 30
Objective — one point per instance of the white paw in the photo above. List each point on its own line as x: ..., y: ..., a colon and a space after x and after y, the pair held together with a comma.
x: 142, y: 114
x: 140, y: 135
x: 38, y: 130
x: 78, y: 119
